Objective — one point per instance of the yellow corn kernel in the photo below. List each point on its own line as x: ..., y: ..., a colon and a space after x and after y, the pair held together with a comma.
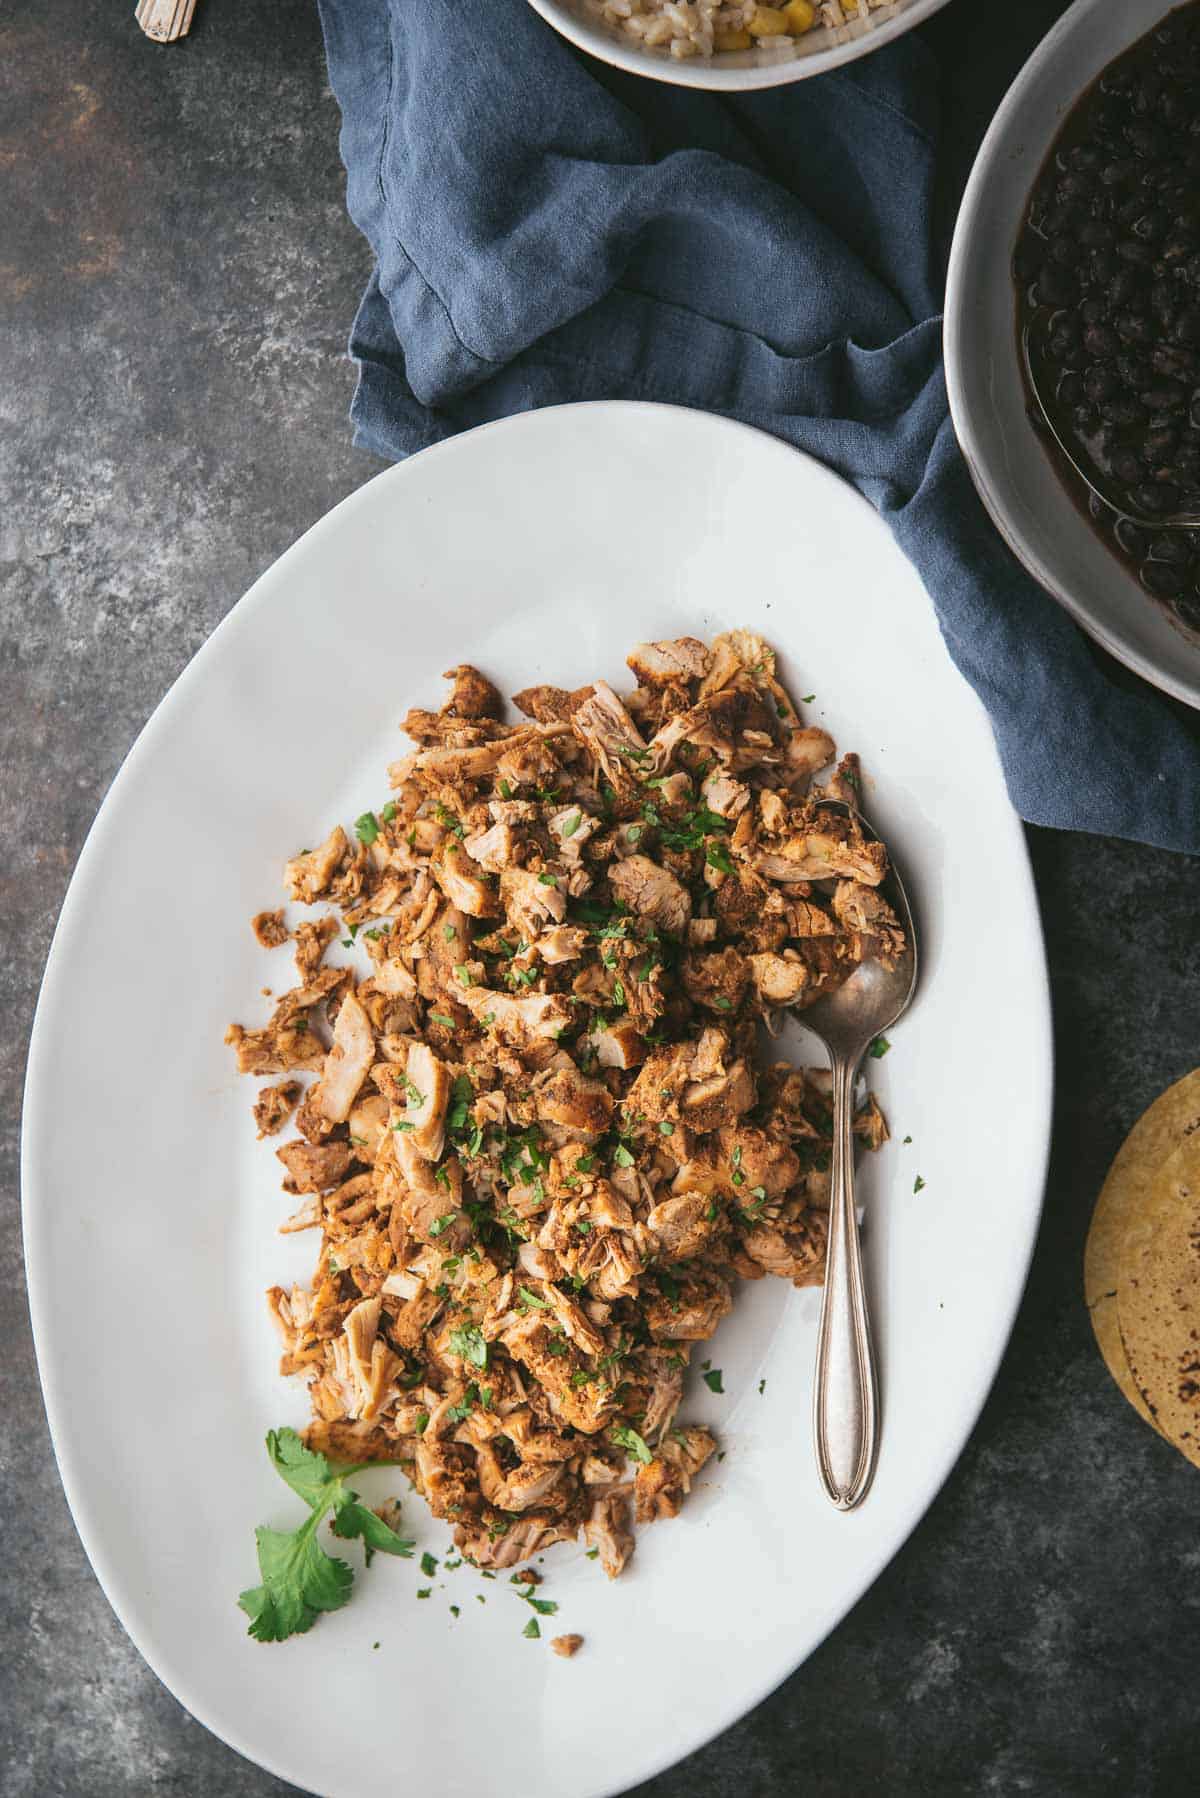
x: 732, y: 40
x: 799, y: 15
x: 768, y: 21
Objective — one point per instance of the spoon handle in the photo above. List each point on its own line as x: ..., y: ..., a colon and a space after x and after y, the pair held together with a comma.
x: 846, y: 1399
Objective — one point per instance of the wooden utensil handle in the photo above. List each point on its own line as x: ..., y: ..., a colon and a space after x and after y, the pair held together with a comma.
x: 165, y: 20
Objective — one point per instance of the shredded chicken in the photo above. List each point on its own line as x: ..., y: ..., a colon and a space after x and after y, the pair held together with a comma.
x: 539, y: 1147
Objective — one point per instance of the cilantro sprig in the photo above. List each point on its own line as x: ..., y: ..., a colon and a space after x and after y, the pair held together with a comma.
x: 299, y: 1579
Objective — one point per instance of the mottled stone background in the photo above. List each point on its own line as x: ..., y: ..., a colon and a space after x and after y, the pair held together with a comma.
x: 177, y: 277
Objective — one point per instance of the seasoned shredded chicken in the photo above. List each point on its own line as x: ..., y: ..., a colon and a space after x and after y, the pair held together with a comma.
x: 540, y: 1147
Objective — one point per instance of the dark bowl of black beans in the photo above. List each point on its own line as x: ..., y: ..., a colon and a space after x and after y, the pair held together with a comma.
x: 1073, y: 328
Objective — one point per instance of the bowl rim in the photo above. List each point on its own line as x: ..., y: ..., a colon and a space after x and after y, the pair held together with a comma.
x: 954, y: 331
x: 700, y: 72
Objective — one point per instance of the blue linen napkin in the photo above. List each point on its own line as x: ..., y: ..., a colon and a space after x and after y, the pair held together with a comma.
x: 546, y: 229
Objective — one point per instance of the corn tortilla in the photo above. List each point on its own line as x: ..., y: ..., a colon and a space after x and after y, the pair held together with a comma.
x: 1170, y: 1121
x: 1158, y: 1299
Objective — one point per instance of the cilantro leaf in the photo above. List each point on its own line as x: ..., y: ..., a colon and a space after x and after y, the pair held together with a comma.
x: 366, y: 829
x: 306, y: 1472
x: 712, y: 1380
x: 879, y: 1048
x: 631, y: 1442
x: 299, y: 1579
x: 470, y: 1345
x: 299, y: 1582
x: 353, y: 1520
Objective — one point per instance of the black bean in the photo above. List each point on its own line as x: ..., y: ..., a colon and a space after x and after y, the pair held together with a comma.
x: 1152, y: 226
x: 1155, y: 497
x: 1123, y: 286
x: 1145, y: 138
x: 1076, y: 186
x: 1027, y: 260
x: 1127, y: 467
x: 1123, y: 410
x: 1133, y: 370
x: 1132, y: 538
x: 1172, y: 548
x: 1100, y: 341
x: 1084, y: 419
x: 1070, y: 390
x: 1104, y: 266
x: 1187, y: 610
x: 1099, y: 382
x: 1063, y: 218
x: 1055, y: 287
x: 1186, y: 328
x: 1161, y: 580
x: 1175, y: 362
x: 1117, y: 172
x: 1065, y: 252
x: 1066, y: 351
x: 1177, y: 248
x: 1139, y: 255
x: 1134, y: 327
x: 1164, y: 396
x: 1095, y: 234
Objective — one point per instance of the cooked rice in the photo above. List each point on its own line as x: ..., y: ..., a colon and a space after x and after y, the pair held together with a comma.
x: 690, y: 27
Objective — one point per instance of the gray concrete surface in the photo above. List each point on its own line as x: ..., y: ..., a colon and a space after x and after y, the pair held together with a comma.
x: 177, y: 277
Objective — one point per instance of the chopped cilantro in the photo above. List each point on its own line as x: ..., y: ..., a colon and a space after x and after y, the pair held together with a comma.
x: 505, y: 790
x: 366, y: 829
x: 449, y: 931
x: 532, y: 1299
x: 592, y: 1553
x: 404, y: 1125
x: 439, y: 1017
x: 454, y: 1611
x: 879, y: 1048
x: 722, y: 1003
x: 908, y: 1139
x: 571, y: 824
x: 807, y: 698
x: 666, y: 1128
x: 463, y: 974
x: 712, y: 1380
x: 548, y: 880
x: 762, y: 1387
x: 718, y: 858
x: 621, y: 1156
x: 586, y: 1163
x: 631, y: 1442
x: 424, y: 1591
x: 440, y: 1225
x: 531, y: 1629
x: 388, y: 812
x: 470, y: 1345
x: 429, y: 1564
x: 918, y: 1183
x: 422, y: 1423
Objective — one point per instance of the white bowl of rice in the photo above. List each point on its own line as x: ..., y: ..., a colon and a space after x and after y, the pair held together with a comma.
x: 731, y: 44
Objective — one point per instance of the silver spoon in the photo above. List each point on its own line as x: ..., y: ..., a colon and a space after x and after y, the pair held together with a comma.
x: 1090, y: 475
x: 846, y: 1399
